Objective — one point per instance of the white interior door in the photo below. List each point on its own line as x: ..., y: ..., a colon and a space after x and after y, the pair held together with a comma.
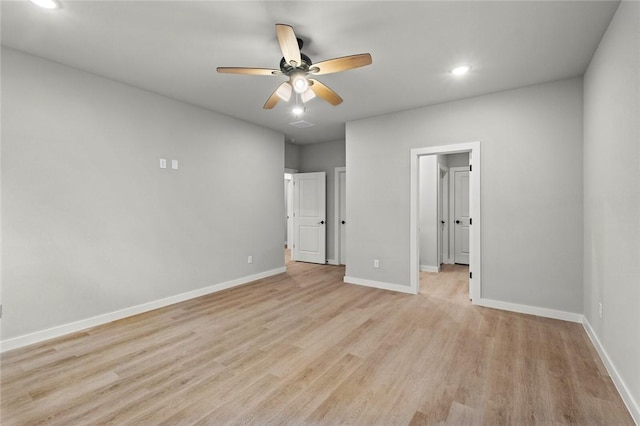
x: 342, y: 216
x: 309, y: 217
x: 461, y: 215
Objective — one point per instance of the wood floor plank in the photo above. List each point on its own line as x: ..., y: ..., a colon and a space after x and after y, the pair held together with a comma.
x: 304, y: 347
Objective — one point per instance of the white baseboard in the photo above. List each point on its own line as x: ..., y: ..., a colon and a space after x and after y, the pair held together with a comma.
x: 531, y: 310
x: 332, y: 262
x: 623, y: 390
x: 378, y: 284
x: 39, y: 336
x: 427, y: 268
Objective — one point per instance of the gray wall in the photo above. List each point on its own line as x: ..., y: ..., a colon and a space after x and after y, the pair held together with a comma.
x: 292, y: 156
x: 325, y: 157
x: 91, y: 224
x: 531, y: 190
x: 612, y: 194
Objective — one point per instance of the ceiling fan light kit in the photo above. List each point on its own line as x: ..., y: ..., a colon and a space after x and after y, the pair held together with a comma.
x: 299, y: 82
x: 299, y: 68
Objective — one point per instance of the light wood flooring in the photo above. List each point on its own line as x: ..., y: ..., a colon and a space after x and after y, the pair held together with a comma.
x: 305, y: 348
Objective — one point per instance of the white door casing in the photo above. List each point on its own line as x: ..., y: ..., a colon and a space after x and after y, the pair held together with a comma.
x: 309, y: 217
x: 475, y: 264
x: 461, y: 214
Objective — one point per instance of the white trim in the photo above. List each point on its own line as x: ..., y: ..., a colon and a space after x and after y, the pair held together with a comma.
x: 623, y: 390
x: 61, y: 330
x: 378, y: 284
x: 531, y: 310
x: 332, y: 262
x: 336, y: 209
x: 427, y: 268
x: 475, y: 264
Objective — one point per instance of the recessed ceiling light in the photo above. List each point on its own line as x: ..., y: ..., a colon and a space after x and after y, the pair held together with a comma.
x: 46, y: 4
x: 460, y: 70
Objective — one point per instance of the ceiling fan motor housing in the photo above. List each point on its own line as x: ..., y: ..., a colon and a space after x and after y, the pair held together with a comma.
x: 288, y: 69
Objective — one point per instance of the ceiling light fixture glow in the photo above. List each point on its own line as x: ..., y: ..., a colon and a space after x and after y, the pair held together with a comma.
x: 46, y: 4
x: 297, y: 110
x: 461, y: 70
x: 299, y: 83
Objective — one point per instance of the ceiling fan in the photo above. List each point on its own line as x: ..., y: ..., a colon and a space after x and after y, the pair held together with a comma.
x: 299, y: 68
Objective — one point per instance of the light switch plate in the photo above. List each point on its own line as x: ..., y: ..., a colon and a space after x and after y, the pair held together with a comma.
x: 163, y: 163
x: 174, y: 164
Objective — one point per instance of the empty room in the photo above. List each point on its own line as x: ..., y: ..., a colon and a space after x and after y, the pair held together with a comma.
x: 442, y: 204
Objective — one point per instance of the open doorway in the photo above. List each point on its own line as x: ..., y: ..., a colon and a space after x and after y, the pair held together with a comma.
x: 429, y: 155
x: 444, y: 210
x: 444, y: 238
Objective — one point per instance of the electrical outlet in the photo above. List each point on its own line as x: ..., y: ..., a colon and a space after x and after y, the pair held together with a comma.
x: 250, y: 259
x: 600, y: 309
x: 376, y: 263
x: 163, y: 163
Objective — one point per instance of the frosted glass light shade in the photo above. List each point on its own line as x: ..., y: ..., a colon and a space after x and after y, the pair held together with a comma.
x: 284, y: 91
x: 308, y: 95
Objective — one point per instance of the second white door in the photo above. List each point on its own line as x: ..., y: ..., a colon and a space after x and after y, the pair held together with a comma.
x: 461, y: 215
x: 309, y: 217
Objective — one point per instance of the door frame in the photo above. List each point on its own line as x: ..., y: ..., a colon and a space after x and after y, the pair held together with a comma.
x: 337, y: 205
x: 473, y: 148
x: 452, y: 211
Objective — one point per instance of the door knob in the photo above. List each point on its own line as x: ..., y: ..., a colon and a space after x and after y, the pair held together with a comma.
x: 443, y: 222
x: 458, y: 222
x: 343, y: 222
x: 321, y: 222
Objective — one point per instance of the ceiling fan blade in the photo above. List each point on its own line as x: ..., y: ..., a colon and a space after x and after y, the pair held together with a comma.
x: 341, y: 64
x: 249, y: 71
x: 322, y: 91
x: 281, y: 92
x: 288, y: 44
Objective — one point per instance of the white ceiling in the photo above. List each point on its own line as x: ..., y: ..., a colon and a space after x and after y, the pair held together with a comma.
x: 173, y: 48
